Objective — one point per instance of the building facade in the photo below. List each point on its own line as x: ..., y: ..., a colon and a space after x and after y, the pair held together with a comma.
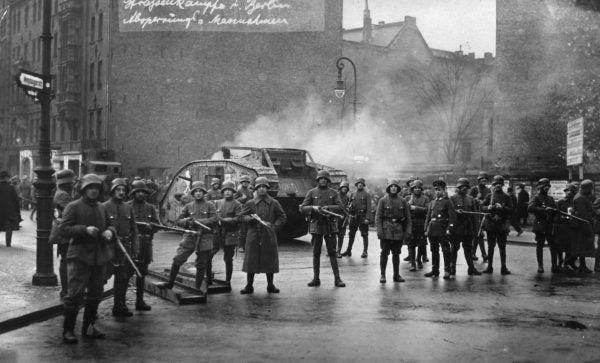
x: 153, y: 99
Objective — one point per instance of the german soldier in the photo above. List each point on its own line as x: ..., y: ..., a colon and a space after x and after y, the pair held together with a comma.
x: 145, y: 213
x: 123, y: 220
x: 63, y: 196
x: 228, y: 210
x: 345, y: 199
x: 88, y: 226
x: 464, y: 226
x: 201, y: 242
x: 596, y: 208
x: 393, y: 223
x: 360, y: 210
x: 499, y: 205
x: 564, y: 234
x: 437, y: 222
x: 543, y: 208
x: 243, y: 194
x: 215, y: 190
x: 584, y: 232
x: 480, y: 192
x: 317, y: 202
x: 264, y: 216
x: 418, y: 203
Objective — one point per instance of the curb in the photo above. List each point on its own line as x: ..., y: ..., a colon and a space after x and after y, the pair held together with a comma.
x: 39, y: 316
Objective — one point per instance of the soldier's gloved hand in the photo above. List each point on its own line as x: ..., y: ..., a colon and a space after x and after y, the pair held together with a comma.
x: 459, y: 211
x: 412, y: 207
x: 107, y: 235
x: 316, y: 208
x: 570, y: 210
x: 92, y: 231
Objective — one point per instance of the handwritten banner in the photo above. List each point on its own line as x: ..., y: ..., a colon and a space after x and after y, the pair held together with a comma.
x: 222, y: 15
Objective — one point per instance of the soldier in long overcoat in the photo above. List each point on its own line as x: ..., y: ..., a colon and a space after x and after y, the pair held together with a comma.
x: 544, y: 209
x: 359, y: 214
x: 201, y: 241
x: 464, y: 226
x: 393, y: 223
x: 583, y: 245
x: 10, y: 213
x: 499, y: 205
x: 343, y: 192
x: 87, y: 225
x: 264, y: 217
x: 316, y: 203
x: 437, y: 222
x: 229, y: 211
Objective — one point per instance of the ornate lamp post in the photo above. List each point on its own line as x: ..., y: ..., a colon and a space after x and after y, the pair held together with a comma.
x: 340, y: 88
x: 44, y: 274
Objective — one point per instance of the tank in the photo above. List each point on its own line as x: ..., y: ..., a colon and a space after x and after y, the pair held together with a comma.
x: 291, y: 174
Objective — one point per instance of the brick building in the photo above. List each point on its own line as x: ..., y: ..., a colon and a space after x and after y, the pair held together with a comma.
x: 154, y: 98
x: 395, y: 71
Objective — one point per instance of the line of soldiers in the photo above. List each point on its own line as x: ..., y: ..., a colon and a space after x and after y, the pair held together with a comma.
x: 97, y: 240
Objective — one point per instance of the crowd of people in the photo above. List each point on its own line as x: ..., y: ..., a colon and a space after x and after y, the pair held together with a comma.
x: 100, y: 236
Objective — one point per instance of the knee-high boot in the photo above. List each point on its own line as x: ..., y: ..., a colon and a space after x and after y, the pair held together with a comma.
x: 228, y: 271
x: 504, y: 270
x: 539, y: 255
x: 383, y: 259
x: 340, y: 243
x: 316, y: 270
x: 365, y: 246
x: 349, y: 248
x: 88, y: 329
x: 140, y: 304
x: 270, y: 286
x: 69, y: 326
x: 336, y: 272
x: 249, y: 289
x: 172, y: 277
x: 62, y: 272
x: 490, y: 258
x: 209, y: 273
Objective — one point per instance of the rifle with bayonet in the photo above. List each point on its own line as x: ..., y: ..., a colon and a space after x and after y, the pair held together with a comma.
x: 122, y: 248
x: 162, y: 227
x: 259, y: 220
x: 202, y: 225
x: 328, y: 212
x: 568, y: 215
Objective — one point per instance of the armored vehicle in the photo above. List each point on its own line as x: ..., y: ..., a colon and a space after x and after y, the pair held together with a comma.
x: 291, y: 174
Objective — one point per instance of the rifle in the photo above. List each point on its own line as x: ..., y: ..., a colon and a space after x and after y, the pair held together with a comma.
x: 475, y: 213
x: 325, y: 211
x: 122, y: 248
x: 163, y: 227
x: 572, y: 216
x: 203, y: 226
x: 259, y: 220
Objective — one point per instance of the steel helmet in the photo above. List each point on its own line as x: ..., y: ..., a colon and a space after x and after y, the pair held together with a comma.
x: 416, y: 183
x: 65, y: 176
x: 90, y: 179
x: 586, y: 185
x: 323, y: 174
x: 261, y: 181
x: 214, y: 181
x: 197, y: 185
x: 572, y: 187
x: 244, y: 178
x: 116, y: 182
x: 139, y: 186
x: 228, y: 185
x: 439, y: 183
x: 462, y: 182
x: 391, y: 182
x: 482, y: 175
x: 543, y: 182
x: 360, y: 180
x: 344, y: 184
x: 498, y: 179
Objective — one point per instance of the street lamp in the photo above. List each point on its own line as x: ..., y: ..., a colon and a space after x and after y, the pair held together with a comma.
x: 340, y: 88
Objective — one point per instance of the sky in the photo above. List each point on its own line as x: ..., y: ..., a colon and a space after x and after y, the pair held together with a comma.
x: 445, y: 24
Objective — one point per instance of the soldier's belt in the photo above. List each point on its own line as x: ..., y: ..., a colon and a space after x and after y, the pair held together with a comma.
x: 393, y: 220
x: 439, y: 220
x: 146, y: 236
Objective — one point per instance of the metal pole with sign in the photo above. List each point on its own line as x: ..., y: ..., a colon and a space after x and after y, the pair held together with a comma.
x: 575, y: 145
x: 39, y: 87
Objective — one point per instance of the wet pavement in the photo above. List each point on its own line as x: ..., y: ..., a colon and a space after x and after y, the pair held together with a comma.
x: 490, y: 318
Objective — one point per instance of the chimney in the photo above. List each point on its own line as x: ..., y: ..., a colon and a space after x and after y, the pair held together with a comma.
x: 367, y: 24
x: 410, y: 20
x: 472, y: 55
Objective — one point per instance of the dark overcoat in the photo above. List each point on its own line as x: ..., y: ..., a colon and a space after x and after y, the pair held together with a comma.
x: 10, y: 213
x: 261, y: 253
x: 583, y: 236
x: 392, y: 218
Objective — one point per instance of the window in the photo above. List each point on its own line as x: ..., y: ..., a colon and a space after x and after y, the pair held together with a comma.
x: 55, y: 45
x: 39, y: 46
x: 91, y: 125
x: 92, y: 29
x: 92, y: 75
x: 25, y: 51
x: 26, y: 16
x: 99, y: 75
x: 100, y: 23
x: 99, y: 123
x: 33, y: 49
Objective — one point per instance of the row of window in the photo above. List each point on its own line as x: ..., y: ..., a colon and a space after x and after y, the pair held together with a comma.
x: 96, y: 73
x: 93, y: 27
x: 36, y: 50
x: 35, y: 15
